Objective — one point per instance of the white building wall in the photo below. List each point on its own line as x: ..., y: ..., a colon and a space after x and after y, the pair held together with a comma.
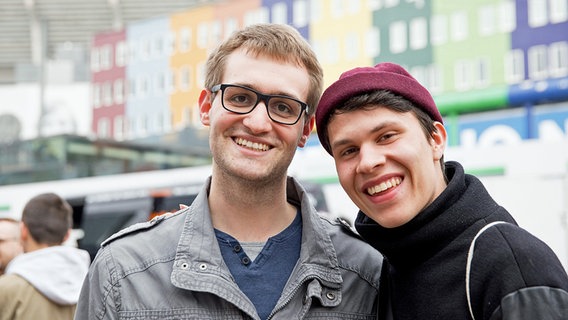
x: 67, y: 108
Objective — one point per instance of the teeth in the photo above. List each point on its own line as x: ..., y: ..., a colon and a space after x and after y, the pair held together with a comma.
x: 393, y: 182
x: 251, y: 145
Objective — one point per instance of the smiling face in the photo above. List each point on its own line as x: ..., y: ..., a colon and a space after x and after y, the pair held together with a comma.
x: 10, y: 245
x: 385, y: 162
x: 252, y: 146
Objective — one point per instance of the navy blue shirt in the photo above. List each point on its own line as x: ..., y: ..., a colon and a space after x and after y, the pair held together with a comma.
x: 263, y: 279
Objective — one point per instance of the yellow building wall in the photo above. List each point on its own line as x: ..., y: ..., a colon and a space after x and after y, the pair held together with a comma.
x: 185, y: 101
x: 335, y: 28
x: 209, y: 25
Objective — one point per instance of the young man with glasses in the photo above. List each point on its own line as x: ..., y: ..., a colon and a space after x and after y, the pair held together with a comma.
x: 251, y: 245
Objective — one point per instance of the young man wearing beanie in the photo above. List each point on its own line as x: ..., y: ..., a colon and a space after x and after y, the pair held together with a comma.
x: 433, y: 222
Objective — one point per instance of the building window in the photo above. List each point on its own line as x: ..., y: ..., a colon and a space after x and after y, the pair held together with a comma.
x: 398, y: 35
x: 103, y: 128
x: 337, y: 9
x: 129, y: 127
x: 537, y: 61
x: 184, y: 78
x: 419, y: 73
x: 184, y: 39
x: 157, y: 48
x: 95, y: 60
x: 169, y: 43
x: 166, y: 122
x: 463, y: 75
x: 439, y: 29
x: 486, y: 20
x: 157, y: 123
x: 96, y: 89
x: 435, y: 82
x: 558, y: 11
x: 428, y: 76
x: 333, y: 50
x: 482, y: 75
x: 374, y: 5
x: 132, y: 51
x: 352, y: 46
x: 514, y: 66
x: 259, y: 15
x: 300, y: 13
x: 202, y: 35
x: 200, y: 74
x: 558, y: 52
x: 280, y: 13
x: 353, y: 6
x: 170, y: 81
x: 231, y: 25
x: 216, y: 33
x: 537, y: 12
x: 118, y: 131
x: 106, y: 57
x: 118, y: 91
x: 418, y: 34
x: 316, y: 8
x: 141, y: 125
x: 507, y: 20
x: 459, y: 26
x: 144, y: 54
x: 142, y: 86
x: 373, y: 42
x: 185, y: 116
x: 106, y: 94
x: 120, y: 54
x: 391, y: 3
x: 131, y: 88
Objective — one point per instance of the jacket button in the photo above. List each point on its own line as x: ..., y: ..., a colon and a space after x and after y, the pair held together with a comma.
x: 330, y: 295
x: 245, y: 261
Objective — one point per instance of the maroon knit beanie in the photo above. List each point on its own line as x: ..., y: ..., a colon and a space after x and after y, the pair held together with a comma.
x: 383, y: 76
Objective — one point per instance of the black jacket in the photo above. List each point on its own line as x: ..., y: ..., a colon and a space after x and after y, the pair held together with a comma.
x: 514, y: 275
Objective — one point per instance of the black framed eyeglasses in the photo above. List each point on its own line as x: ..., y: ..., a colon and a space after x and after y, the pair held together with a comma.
x: 242, y: 100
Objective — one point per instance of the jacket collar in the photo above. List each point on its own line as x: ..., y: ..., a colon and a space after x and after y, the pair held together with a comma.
x: 198, y: 250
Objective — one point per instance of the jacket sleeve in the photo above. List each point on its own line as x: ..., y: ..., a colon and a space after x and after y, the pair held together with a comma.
x: 97, y: 300
x: 518, y: 277
x: 9, y: 298
x: 533, y: 303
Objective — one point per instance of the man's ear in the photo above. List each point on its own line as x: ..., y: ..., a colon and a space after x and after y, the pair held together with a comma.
x: 204, y: 106
x: 439, y: 139
x: 24, y: 232
x: 306, y: 131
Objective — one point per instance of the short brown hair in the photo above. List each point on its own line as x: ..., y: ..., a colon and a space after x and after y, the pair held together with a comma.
x: 48, y: 218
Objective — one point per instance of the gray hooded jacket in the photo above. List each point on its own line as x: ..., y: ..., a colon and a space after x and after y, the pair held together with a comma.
x: 172, y: 268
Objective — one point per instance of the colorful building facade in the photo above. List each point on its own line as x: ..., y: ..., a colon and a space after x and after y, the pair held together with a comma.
x: 483, y: 61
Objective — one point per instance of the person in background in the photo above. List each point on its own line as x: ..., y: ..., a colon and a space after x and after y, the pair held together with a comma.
x: 45, y: 281
x: 251, y: 245
x: 10, y: 245
x: 434, y: 223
